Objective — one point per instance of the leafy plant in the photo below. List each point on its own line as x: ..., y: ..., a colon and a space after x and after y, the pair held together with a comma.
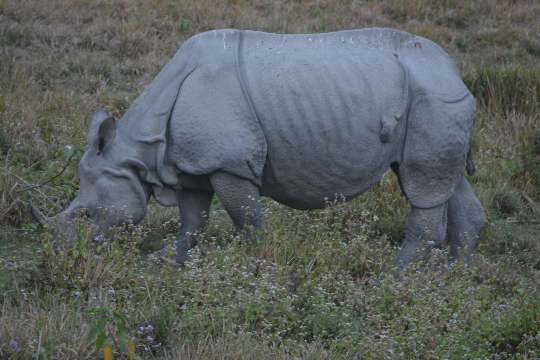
x: 110, y: 328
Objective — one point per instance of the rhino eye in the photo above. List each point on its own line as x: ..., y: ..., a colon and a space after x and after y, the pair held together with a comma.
x: 101, y: 145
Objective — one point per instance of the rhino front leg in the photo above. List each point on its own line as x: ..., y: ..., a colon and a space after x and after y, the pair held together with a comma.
x: 241, y: 199
x: 426, y: 229
x: 194, y: 208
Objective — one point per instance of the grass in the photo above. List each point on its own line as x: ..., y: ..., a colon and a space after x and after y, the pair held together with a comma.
x: 319, y: 285
x: 507, y: 89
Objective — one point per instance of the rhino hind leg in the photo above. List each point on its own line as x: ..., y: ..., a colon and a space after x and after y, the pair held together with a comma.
x: 426, y: 229
x: 241, y: 199
x: 435, y: 149
x: 194, y: 208
x: 466, y: 219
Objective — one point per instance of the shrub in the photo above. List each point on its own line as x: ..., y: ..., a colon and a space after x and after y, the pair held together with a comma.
x: 506, y: 202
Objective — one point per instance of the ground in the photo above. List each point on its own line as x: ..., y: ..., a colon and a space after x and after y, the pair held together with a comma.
x: 319, y: 284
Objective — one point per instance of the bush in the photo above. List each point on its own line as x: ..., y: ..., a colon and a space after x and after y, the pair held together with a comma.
x: 506, y: 202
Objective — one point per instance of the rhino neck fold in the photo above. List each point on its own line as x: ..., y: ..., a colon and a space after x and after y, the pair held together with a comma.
x: 148, y: 158
x: 144, y: 127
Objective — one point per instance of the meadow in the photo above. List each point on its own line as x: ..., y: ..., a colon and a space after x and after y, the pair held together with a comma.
x: 319, y: 284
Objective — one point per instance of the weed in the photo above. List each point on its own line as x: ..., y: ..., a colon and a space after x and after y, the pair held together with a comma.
x: 530, y: 173
x: 110, y: 327
x: 506, y: 202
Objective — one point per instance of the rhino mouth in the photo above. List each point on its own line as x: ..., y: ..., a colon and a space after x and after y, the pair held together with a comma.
x: 64, y: 224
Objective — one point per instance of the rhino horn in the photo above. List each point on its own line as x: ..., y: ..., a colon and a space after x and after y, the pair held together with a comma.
x: 61, y: 224
x: 37, y: 214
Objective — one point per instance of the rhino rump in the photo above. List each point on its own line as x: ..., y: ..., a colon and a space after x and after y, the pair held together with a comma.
x: 436, y: 147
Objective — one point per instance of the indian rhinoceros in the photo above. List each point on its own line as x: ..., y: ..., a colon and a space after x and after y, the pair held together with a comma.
x: 298, y: 118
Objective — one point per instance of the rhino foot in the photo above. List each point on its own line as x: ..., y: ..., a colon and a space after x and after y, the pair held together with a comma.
x: 168, y: 255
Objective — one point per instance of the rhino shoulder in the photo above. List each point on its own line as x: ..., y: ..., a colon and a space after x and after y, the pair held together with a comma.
x: 212, y: 126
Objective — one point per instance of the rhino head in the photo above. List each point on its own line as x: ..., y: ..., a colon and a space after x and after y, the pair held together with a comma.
x: 111, y: 192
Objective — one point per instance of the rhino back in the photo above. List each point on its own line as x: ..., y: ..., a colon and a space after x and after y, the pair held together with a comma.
x: 320, y: 99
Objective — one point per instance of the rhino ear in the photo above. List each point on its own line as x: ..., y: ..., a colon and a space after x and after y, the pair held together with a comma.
x: 102, y: 130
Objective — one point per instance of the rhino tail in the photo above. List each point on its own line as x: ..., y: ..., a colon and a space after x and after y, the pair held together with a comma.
x: 469, y: 166
x: 388, y: 124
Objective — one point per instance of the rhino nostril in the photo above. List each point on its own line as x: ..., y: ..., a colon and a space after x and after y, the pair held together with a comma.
x: 84, y: 213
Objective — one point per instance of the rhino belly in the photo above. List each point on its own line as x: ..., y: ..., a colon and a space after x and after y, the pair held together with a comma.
x: 311, y: 187
x: 307, y: 167
x: 320, y: 108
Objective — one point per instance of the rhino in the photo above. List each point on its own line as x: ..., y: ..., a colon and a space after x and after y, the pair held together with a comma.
x: 298, y: 118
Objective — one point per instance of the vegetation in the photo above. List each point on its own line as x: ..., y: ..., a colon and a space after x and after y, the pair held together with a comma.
x: 319, y: 285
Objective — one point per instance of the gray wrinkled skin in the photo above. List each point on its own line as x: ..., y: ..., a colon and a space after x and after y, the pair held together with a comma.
x: 298, y: 118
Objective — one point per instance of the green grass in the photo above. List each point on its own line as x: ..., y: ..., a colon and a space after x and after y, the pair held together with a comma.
x: 319, y: 284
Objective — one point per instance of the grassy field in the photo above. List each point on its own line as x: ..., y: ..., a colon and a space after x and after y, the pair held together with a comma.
x: 319, y: 285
